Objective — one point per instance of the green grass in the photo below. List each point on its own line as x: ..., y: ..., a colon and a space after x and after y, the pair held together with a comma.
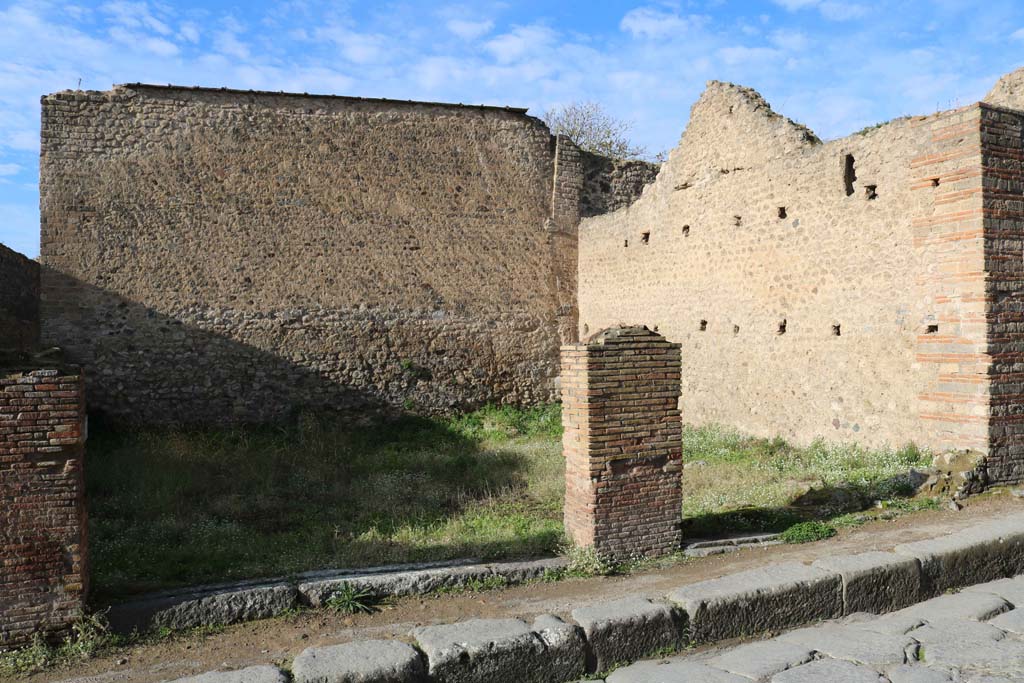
x: 173, y: 507
x: 177, y: 507
x: 736, y: 483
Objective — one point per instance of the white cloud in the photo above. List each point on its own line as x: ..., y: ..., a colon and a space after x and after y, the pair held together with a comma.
x: 135, y: 15
x: 189, y: 31
x: 1018, y: 34
x: 741, y: 54
x: 519, y: 42
x: 649, y: 22
x: 9, y: 169
x: 359, y: 48
x: 835, y: 10
x: 469, y: 30
x: 841, y: 11
x: 793, y: 41
x: 227, y: 43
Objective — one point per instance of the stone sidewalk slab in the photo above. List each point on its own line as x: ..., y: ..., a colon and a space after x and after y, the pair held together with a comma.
x: 628, y: 629
x: 368, y: 661
x: 752, y: 602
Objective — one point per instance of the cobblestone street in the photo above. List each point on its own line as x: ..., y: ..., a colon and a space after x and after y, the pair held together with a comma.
x: 975, y: 636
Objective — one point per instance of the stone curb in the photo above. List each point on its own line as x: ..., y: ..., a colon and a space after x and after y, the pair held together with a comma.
x: 772, y: 598
x: 231, y: 603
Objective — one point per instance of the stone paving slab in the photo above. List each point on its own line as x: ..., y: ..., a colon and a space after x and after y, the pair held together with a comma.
x: 762, y: 659
x: 851, y: 644
x: 628, y: 629
x: 369, y: 661
x: 1012, y: 621
x: 829, y: 671
x: 875, y: 581
x: 753, y: 602
x: 1011, y: 590
x: 907, y: 673
x: 672, y: 671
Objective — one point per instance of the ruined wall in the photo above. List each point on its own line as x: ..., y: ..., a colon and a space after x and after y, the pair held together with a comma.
x: 610, y: 184
x: 225, y: 256
x: 42, y: 506
x: 818, y: 290
x: 19, y: 301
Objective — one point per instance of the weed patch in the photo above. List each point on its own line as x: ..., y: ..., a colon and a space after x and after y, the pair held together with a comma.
x: 806, y: 532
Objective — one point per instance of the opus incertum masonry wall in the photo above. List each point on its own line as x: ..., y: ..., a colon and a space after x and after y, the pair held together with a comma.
x: 867, y: 289
x: 622, y: 443
x: 43, y: 554
x: 230, y: 256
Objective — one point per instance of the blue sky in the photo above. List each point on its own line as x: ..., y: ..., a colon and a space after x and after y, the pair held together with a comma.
x: 836, y: 65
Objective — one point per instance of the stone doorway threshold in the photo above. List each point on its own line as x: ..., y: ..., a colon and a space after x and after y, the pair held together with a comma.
x: 282, y: 639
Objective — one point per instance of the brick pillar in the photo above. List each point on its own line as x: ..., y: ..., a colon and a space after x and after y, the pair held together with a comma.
x: 622, y: 443
x: 43, y: 571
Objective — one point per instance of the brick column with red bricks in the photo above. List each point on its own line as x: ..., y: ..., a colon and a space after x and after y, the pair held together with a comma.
x: 43, y: 569
x: 622, y: 443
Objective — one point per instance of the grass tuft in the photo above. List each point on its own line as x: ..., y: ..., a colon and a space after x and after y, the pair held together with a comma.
x: 347, y: 599
x: 807, y: 532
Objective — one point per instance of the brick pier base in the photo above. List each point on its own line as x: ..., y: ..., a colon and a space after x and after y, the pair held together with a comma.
x: 43, y: 572
x: 622, y: 443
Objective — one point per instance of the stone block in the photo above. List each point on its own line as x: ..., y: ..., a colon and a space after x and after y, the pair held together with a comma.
x: 628, y: 629
x: 766, y: 599
x: 566, y: 647
x: 974, y: 606
x: 252, y: 674
x: 854, y: 645
x: 763, y: 659
x: 1012, y: 621
x: 1011, y: 590
x: 204, y: 606
x: 831, y: 670
x: 910, y: 673
x: 485, y: 650
x: 368, y: 661
x: 875, y: 582
x: 671, y: 671
x: 991, y: 551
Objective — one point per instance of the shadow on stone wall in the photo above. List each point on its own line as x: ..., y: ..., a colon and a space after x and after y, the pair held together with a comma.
x: 149, y: 367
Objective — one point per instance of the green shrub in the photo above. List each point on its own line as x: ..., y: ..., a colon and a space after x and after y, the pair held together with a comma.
x: 806, y: 532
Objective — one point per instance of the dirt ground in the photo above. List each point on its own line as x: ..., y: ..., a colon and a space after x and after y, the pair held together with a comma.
x: 280, y: 640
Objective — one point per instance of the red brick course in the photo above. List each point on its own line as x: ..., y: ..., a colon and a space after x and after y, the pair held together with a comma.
x: 44, y: 574
x: 622, y: 443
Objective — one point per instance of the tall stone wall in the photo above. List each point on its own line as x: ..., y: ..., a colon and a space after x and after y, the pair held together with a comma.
x: 42, y: 503
x: 229, y: 256
x: 829, y: 290
x: 19, y: 301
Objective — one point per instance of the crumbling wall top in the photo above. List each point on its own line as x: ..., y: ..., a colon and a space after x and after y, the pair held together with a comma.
x: 1008, y: 91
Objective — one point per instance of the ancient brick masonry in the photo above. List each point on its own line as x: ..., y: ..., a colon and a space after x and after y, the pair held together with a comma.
x: 44, y: 573
x: 622, y: 443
